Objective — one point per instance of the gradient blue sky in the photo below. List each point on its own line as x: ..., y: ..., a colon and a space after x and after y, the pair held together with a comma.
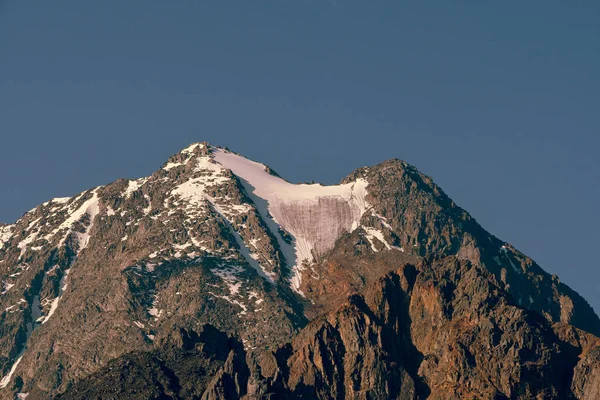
x: 499, y: 102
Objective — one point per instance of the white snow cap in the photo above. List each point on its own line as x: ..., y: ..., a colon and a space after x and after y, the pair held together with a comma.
x: 315, y: 215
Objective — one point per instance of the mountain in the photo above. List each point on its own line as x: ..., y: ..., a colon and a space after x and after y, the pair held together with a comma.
x: 216, y: 278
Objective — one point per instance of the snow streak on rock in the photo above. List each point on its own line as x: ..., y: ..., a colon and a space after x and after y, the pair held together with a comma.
x: 5, y: 234
x: 6, y: 380
x: 61, y: 290
x: 88, y: 210
x: 375, y: 234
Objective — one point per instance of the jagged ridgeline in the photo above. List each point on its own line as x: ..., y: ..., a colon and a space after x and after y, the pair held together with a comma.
x: 216, y: 278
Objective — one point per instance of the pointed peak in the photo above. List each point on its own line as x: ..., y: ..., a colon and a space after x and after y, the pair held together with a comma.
x: 392, y: 166
x: 197, y: 148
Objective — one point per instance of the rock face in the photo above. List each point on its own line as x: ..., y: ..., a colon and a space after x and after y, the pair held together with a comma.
x: 215, y: 278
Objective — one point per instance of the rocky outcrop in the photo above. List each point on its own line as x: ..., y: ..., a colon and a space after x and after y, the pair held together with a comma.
x: 409, y: 206
x: 441, y: 330
x: 181, y: 367
x: 445, y: 330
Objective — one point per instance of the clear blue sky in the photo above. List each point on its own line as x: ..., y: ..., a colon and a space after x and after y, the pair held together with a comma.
x: 499, y: 102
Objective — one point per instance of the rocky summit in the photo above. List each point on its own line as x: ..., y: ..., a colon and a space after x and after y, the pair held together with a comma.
x: 215, y: 278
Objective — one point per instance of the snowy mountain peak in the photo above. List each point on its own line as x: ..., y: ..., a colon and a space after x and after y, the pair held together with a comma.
x: 305, y: 220
x: 214, y: 238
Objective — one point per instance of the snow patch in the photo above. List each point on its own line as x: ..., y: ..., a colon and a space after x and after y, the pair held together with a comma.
x: 31, y: 238
x: 512, y: 264
x: 10, y: 308
x: 60, y: 200
x: 382, y: 219
x: 133, y: 186
x: 150, y: 267
x: 147, y: 209
x: 232, y: 301
x: 62, y: 286
x: 6, y: 233
x: 190, y: 149
x: 89, y: 208
x: 154, y: 311
x: 372, y: 233
x: 57, y: 200
x: 6, y: 380
x: 7, y: 286
x: 229, y: 275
